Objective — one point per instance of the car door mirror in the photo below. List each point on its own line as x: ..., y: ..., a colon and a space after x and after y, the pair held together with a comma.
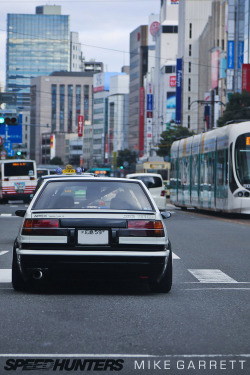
x: 20, y: 213
x: 166, y: 214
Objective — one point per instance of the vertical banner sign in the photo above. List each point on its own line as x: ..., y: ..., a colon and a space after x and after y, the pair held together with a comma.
x: 214, y: 69
x: 246, y: 77
x: 52, y: 146
x: 240, y: 53
x: 230, y: 54
x: 178, y: 91
x: 80, y: 125
x: 141, y: 121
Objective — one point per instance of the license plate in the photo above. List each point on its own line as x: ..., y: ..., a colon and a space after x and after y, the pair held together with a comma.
x: 93, y: 237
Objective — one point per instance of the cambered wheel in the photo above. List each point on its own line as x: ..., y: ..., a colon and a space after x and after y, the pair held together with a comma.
x: 165, y: 284
x: 18, y: 283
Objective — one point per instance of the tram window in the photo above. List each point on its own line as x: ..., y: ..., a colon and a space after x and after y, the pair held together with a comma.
x: 195, y: 171
x: 232, y: 183
x: 242, y: 159
x: 220, y: 167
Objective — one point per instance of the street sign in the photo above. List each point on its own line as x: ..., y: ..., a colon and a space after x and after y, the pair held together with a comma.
x: 11, y: 153
x: 8, y: 145
x: 3, y: 155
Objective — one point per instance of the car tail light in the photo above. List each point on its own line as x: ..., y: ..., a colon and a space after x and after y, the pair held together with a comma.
x: 6, y: 179
x: 32, y: 178
x: 33, y: 224
x: 150, y: 228
x: 163, y: 193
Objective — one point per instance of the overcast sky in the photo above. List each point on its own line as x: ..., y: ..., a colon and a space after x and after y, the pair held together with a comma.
x: 103, y: 26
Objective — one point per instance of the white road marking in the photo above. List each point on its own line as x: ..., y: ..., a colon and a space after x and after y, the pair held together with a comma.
x: 5, y: 276
x: 174, y: 256
x: 5, y: 215
x: 211, y: 276
x: 3, y: 252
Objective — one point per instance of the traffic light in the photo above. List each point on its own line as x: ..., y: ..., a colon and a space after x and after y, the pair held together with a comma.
x: 9, y: 119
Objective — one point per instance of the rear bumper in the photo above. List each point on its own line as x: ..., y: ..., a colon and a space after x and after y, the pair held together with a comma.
x: 93, y: 263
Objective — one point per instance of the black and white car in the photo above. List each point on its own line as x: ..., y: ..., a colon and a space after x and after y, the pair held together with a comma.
x: 92, y: 227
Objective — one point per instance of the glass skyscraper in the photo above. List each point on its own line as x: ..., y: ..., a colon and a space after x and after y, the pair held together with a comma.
x: 37, y: 45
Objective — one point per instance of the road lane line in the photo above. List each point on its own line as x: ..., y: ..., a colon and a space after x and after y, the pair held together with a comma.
x: 3, y: 252
x: 5, y: 215
x: 174, y: 256
x: 196, y: 289
x: 211, y: 276
x: 5, y: 276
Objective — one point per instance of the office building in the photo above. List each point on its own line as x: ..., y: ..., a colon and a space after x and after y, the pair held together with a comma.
x: 193, y: 17
x: 138, y: 69
x: 56, y: 102
x: 37, y: 45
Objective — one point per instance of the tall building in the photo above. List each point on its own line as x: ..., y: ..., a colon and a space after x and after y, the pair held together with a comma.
x: 166, y: 39
x: 56, y: 102
x: 117, y: 137
x: 101, y: 86
x: 37, y: 45
x: 193, y: 17
x: 138, y: 69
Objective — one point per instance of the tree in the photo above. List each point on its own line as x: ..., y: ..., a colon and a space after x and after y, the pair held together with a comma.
x: 56, y: 160
x: 169, y: 136
x: 237, y: 108
x: 126, y: 156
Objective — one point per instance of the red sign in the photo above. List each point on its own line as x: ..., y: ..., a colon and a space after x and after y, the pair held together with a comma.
x: 172, y: 81
x: 80, y: 125
x: 246, y: 77
x: 1, y: 141
x: 154, y: 27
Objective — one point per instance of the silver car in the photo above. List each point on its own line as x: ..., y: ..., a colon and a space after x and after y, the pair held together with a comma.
x: 93, y: 227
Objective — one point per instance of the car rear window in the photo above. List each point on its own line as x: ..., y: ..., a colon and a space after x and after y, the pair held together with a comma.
x: 150, y: 181
x: 92, y: 195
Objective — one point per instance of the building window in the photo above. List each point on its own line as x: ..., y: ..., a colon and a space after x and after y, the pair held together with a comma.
x: 78, y: 102
x: 111, y: 126
x: 189, y: 84
x: 170, y: 29
x: 70, y: 107
x: 189, y: 67
x: 62, y: 95
x: 53, y: 108
x: 86, y: 102
x: 189, y: 102
x: 190, y: 50
x: 190, y: 31
x: 170, y: 69
x: 188, y: 122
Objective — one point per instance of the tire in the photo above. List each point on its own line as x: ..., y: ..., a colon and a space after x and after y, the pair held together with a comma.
x: 165, y: 284
x: 18, y: 283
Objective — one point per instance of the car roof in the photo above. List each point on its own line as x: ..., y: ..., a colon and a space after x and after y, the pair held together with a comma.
x: 84, y: 176
x: 144, y: 174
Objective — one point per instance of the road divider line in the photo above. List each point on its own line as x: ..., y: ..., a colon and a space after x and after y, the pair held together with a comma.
x: 211, y: 276
x: 5, y: 276
x: 3, y: 252
x: 174, y: 256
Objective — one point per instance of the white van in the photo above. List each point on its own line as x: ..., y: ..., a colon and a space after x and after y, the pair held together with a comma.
x: 155, y: 185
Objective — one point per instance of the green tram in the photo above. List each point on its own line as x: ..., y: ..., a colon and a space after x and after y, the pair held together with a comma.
x: 211, y: 170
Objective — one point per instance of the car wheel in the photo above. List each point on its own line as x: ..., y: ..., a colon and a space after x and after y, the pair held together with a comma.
x: 18, y: 283
x: 165, y: 284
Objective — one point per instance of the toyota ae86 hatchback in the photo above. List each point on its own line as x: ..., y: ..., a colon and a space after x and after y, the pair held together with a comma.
x: 93, y: 227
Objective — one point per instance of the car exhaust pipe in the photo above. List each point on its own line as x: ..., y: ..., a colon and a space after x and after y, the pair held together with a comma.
x: 37, y: 274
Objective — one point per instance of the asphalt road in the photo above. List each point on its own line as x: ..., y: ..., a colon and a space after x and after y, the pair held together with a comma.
x: 200, y: 327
